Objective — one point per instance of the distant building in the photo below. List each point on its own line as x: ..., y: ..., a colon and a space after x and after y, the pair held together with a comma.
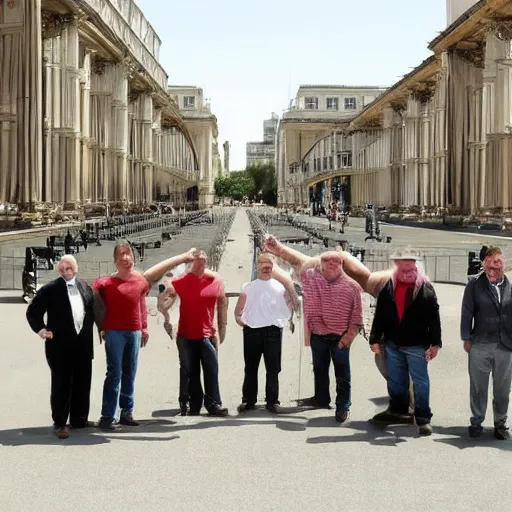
x: 202, y: 125
x: 318, y: 111
x: 226, y: 147
x: 264, y: 152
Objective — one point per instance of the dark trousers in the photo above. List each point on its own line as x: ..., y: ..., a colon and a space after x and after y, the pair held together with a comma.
x: 324, y: 348
x: 266, y: 342
x: 182, y: 354
x: 70, y: 387
x: 196, y: 354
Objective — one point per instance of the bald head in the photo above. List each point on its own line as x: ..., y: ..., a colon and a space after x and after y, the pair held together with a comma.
x: 67, y: 267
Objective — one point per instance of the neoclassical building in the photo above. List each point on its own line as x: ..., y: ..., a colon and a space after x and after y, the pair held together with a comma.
x: 441, y: 138
x: 85, y: 111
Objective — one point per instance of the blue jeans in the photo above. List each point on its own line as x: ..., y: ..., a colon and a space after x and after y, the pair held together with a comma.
x: 122, y: 349
x: 199, y: 353
x: 324, y: 348
x: 402, y: 362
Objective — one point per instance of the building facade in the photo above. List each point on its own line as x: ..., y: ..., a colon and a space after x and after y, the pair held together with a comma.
x: 85, y: 114
x: 456, y: 8
x: 439, y: 141
x: 226, y: 146
x: 202, y: 126
x: 318, y: 110
x: 264, y: 152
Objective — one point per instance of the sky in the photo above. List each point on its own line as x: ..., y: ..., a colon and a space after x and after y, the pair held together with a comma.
x: 250, y: 57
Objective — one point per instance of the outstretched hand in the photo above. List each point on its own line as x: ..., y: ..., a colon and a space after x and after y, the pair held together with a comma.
x: 272, y: 245
x: 189, y: 255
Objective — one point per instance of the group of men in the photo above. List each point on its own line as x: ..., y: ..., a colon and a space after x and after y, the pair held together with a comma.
x: 405, y: 335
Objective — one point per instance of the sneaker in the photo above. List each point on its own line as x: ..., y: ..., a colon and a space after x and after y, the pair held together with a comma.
x: 475, y: 432
x: 62, y: 432
x: 425, y: 430
x: 218, y: 411
x: 501, y: 432
x: 274, y: 408
x: 244, y: 406
x: 388, y: 417
x: 342, y: 416
x: 127, y: 419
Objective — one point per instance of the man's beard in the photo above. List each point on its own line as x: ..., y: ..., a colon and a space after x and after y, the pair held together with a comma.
x: 406, y: 277
x: 494, y: 274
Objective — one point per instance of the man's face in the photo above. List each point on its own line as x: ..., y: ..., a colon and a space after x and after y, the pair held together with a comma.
x: 265, y: 267
x: 124, y: 259
x: 406, y: 271
x: 331, y: 266
x: 200, y: 261
x: 67, y: 270
x: 494, y: 267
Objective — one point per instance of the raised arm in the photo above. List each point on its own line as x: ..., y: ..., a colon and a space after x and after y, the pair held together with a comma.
x: 291, y: 256
x: 156, y: 272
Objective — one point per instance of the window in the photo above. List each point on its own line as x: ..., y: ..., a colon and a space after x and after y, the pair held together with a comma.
x: 189, y: 101
x: 332, y: 103
x: 339, y: 162
x: 346, y: 160
x: 350, y: 103
x: 325, y: 162
x: 311, y: 103
x: 330, y: 162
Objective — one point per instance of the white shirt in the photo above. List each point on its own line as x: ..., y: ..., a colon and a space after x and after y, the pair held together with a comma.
x: 497, y: 287
x: 265, y: 304
x: 77, y: 304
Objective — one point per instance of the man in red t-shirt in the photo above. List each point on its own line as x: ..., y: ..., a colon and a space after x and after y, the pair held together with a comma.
x: 201, y: 292
x: 120, y: 304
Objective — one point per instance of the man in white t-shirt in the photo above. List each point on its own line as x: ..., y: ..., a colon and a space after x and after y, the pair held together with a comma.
x: 263, y: 309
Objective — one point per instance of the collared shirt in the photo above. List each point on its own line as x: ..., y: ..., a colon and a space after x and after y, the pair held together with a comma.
x: 330, y: 307
x: 497, y: 288
x: 77, y: 304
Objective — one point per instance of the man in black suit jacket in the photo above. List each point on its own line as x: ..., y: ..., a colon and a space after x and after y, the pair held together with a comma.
x: 68, y: 335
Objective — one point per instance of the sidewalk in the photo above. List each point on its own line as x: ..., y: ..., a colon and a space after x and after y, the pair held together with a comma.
x: 236, y: 264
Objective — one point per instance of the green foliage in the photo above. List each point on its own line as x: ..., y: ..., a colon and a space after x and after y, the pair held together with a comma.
x: 256, y: 182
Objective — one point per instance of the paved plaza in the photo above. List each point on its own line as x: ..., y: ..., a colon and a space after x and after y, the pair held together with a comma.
x: 300, y: 460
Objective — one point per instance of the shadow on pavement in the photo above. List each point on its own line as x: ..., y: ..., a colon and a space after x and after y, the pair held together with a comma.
x: 14, y: 299
x: 461, y: 440
x: 83, y: 437
x: 370, y: 433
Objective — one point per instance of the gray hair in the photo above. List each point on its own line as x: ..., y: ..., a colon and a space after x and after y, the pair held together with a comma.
x: 68, y: 258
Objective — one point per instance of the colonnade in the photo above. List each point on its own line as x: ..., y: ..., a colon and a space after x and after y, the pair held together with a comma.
x: 78, y: 128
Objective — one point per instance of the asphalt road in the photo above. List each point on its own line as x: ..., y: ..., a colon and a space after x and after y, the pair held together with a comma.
x: 255, y: 462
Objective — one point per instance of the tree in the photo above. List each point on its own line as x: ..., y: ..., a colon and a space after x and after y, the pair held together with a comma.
x: 264, y: 179
x: 241, y: 185
x: 222, y: 187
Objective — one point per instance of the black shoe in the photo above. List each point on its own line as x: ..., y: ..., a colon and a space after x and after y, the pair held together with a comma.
x: 244, y: 406
x: 475, y: 432
x: 274, y: 408
x: 127, y: 419
x: 388, y: 417
x: 183, y: 409
x: 218, y: 411
x: 193, y: 411
x: 342, y: 416
x: 501, y: 432
x: 106, y: 424
x: 87, y: 424
x: 312, y: 402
